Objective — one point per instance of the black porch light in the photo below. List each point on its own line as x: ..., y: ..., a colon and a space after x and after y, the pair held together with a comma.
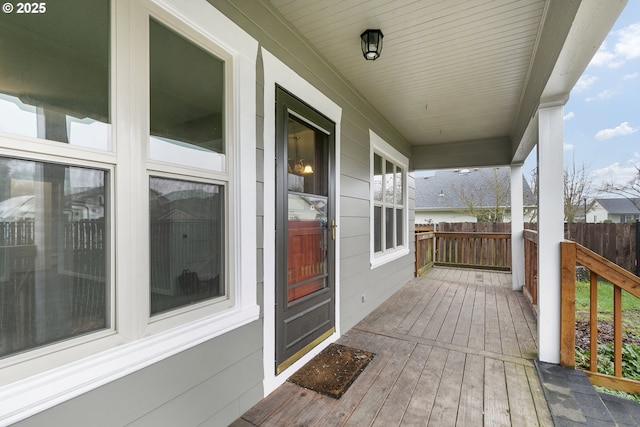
x: 371, y: 44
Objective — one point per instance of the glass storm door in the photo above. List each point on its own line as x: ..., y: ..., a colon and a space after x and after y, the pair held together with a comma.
x: 305, y: 229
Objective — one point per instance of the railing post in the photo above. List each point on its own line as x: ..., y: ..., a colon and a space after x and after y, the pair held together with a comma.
x: 568, y: 304
x: 593, y: 321
x: 617, y: 331
x: 418, y: 254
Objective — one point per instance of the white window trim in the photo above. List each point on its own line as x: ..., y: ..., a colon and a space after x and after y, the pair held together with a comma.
x: 75, y: 374
x: 276, y: 72
x: 380, y: 146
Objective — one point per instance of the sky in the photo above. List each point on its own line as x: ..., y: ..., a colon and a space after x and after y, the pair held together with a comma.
x: 602, y: 116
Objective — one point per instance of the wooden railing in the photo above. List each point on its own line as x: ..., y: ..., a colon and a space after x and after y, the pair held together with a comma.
x: 531, y: 264
x: 474, y: 250
x: 572, y: 254
x: 424, y: 252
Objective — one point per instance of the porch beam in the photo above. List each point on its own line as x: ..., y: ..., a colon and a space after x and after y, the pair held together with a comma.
x: 517, y: 228
x: 550, y: 229
x: 462, y: 154
x: 559, y: 16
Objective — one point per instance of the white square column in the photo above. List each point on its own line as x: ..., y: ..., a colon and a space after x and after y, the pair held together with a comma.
x: 517, y: 228
x: 550, y: 229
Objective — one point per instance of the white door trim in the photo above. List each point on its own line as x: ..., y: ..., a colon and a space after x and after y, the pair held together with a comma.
x: 276, y: 72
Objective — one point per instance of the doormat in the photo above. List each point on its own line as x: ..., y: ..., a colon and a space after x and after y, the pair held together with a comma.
x: 333, y: 370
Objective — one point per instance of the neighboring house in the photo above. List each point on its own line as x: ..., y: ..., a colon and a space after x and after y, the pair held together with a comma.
x: 248, y: 142
x: 468, y: 195
x: 618, y: 210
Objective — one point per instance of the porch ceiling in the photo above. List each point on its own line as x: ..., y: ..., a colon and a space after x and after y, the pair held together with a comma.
x: 461, y: 79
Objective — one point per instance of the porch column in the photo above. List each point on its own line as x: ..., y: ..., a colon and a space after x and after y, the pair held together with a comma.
x: 517, y: 228
x: 550, y: 230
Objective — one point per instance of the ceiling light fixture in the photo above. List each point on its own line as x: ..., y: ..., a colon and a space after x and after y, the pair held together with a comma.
x: 371, y: 44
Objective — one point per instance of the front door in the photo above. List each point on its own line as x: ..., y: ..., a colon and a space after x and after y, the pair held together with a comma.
x: 305, y: 228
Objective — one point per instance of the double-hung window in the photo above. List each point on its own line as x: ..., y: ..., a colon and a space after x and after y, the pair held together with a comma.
x: 389, y: 216
x: 56, y: 176
x: 187, y: 139
x: 123, y: 128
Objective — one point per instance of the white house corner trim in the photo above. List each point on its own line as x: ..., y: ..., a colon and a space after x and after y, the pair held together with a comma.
x: 278, y: 73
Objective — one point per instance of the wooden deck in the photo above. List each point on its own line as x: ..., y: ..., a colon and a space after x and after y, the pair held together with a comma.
x: 453, y: 348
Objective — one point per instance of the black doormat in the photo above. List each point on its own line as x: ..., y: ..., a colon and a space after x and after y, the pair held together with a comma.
x: 333, y: 370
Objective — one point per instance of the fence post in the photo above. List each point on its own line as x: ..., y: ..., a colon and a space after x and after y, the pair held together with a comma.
x: 435, y: 238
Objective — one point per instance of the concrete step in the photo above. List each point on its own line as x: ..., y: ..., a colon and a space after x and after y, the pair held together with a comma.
x: 573, y: 401
x: 625, y: 412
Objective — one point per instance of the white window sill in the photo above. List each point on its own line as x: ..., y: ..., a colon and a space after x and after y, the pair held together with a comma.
x: 27, y: 397
x: 379, y: 260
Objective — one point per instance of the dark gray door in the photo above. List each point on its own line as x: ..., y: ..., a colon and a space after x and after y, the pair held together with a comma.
x: 305, y: 228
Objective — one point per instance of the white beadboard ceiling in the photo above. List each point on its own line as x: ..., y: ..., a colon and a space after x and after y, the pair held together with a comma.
x: 450, y: 70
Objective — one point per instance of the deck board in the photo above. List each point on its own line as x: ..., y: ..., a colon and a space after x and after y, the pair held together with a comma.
x: 452, y: 348
x: 470, y: 410
x: 419, y: 409
x: 522, y: 408
x: 400, y: 395
x: 445, y: 407
x: 421, y: 323
x: 496, y: 399
x: 463, y: 325
x: 365, y: 413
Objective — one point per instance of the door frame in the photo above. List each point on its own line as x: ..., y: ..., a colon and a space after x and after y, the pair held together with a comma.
x: 314, y: 304
x: 277, y: 73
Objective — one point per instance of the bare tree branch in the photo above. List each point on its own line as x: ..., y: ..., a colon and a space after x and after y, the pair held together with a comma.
x: 485, y: 194
x: 578, y: 192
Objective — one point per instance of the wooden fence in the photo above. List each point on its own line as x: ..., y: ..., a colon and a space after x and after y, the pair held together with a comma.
x: 17, y: 233
x: 490, y: 251
x: 479, y: 246
x: 79, y: 278
x: 616, y: 242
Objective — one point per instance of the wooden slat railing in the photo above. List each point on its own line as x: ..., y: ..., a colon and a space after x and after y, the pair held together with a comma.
x: 572, y: 254
x: 474, y: 250
x: 424, y: 252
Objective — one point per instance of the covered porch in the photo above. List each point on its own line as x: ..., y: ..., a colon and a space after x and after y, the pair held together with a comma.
x: 453, y: 347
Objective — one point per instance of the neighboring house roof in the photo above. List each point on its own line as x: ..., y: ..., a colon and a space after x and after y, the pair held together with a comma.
x: 16, y: 208
x: 439, y: 191
x: 620, y: 205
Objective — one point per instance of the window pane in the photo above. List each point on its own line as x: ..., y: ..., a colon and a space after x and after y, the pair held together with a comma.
x: 388, y: 212
x: 399, y: 185
x: 53, y: 253
x: 187, y: 242
x: 307, y: 245
x: 399, y: 227
x: 187, y: 101
x: 377, y: 178
x: 54, y: 83
x: 389, y: 188
x: 377, y: 229
x: 308, y: 155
